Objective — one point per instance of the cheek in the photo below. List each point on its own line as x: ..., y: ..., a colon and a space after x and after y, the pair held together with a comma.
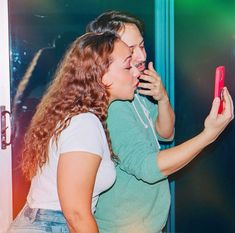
x: 128, y: 85
x: 127, y: 80
x: 144, y: 52
x: 123, y: 87
x: 134, y: 59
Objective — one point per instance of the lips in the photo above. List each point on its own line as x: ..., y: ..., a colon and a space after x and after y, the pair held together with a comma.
x: 140, y: 66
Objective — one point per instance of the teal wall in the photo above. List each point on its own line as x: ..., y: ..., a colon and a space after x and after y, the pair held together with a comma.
x: 204, y: 39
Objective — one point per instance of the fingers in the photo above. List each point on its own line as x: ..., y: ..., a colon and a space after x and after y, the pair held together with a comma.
x: 145, y: 92
x: 215, y: 108
x: 151, y: 79
x: 147, y: 85
x: 228, y: 104
x: 232, y: 106
x: 153, y: 85
x: 157, y: 92
x: 150, y: 84
x: 228, y: 111
x: 151, y: 71
x: 150, y: 74
x: 150, y: 66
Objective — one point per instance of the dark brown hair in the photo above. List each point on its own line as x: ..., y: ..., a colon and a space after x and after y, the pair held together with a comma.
x: 113, y: 21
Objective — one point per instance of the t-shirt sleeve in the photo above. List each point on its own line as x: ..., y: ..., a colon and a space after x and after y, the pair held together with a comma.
x: 138, y: 157
x: 84, y: 133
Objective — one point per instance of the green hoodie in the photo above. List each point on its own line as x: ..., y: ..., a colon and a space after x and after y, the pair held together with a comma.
x: 139, y: 200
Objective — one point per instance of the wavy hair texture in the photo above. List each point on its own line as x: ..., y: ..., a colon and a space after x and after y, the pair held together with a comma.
x: 76, y: 88
x: 114, y: 21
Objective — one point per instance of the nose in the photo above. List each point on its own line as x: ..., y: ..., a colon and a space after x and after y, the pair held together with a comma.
x: 139, y: 54
x: 135, y: 72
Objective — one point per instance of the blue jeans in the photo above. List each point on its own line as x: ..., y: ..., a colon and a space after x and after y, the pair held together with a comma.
x: 39, y: 221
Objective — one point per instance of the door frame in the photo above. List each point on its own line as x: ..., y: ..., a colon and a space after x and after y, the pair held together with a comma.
x: 5, y: 154
x: 165, y: 64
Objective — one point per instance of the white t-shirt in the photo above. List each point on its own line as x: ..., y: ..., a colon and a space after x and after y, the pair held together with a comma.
x: 84, y: 133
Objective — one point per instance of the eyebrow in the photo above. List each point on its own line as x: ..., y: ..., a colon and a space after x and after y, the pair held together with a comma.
x: 141, y: 42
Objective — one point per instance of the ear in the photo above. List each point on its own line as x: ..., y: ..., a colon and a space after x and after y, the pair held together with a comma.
x: 106, y: 79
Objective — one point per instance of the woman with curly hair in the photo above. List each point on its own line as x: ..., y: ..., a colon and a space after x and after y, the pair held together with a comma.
x: 67, y: 154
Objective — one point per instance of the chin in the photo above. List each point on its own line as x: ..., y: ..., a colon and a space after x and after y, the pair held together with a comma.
x: 131, y: 97
x: 127, y: 96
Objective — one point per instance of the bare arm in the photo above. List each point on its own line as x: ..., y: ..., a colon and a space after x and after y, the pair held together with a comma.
x: 76, y: 178
x: 175, y: 158
x: 166, y: 118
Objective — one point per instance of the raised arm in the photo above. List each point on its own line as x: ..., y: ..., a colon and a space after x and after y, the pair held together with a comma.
x: 165, y: 121
x: 173, y: 159
x: 76, y: 179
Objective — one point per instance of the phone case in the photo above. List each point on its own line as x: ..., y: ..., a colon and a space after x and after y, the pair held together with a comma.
x: 219, y: 85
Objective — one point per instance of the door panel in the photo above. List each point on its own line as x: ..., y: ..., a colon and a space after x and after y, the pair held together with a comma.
x: 5, y: 154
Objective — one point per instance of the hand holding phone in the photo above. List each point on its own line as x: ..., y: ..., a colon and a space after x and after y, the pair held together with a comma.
x: 219, y: 85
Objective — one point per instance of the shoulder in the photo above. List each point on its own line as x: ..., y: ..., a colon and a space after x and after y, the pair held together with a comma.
x: 83, y: 124
x: 84, y: 133
x: 122, y: 107
x: 87, y: 119
x: 119, y: 104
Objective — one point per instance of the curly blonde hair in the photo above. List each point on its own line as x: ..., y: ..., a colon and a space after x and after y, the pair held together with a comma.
x: 76, y: 88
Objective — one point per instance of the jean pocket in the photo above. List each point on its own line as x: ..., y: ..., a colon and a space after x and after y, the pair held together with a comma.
x: 32, y: 220
x: 25, y: 223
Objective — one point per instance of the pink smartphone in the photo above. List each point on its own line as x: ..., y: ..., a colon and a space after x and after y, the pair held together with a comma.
x: 219, y: 85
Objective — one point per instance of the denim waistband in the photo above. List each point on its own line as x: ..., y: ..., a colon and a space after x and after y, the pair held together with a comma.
x: 44, y: 215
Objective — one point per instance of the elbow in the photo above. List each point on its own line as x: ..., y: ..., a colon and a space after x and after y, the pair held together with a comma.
x: 166, y: 130
x: 168, y: 135
x: 171, y: 135
x: 166, y: 172
x: 77, y: 219
x: 149, y: 172
x: 166, y: 165
x: 73, y: 220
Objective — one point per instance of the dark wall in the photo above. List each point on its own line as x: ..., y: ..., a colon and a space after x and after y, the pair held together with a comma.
x: 204, y: 39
